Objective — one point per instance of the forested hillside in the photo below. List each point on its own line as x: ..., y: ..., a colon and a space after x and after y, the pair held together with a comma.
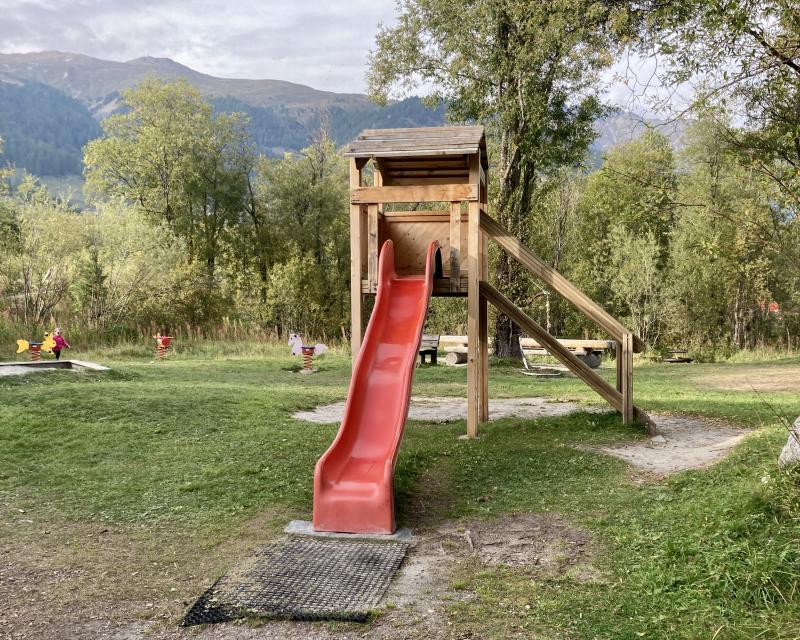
x: 49, y: 100
x: 44, y: 130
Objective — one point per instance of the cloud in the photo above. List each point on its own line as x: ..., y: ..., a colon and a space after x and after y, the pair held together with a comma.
x: 313, y: 42
x: 322, y: 44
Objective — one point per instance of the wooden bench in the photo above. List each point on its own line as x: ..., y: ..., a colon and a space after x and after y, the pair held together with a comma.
x: 590, y: 351
x: 679, y: 356
x: 428, y: 346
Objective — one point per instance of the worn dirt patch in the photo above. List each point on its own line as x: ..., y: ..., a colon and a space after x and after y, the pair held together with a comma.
x: 451, y: 409
x: 686, y: 443
x: 414, y: 606
x: 87, y: 582
x: 544, y: 544
x: 762, y: 378
x: 547, y: 543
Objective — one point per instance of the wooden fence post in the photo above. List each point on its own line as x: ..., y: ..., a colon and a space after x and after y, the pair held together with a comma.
x: 355, y: 264
x: 627, y: 377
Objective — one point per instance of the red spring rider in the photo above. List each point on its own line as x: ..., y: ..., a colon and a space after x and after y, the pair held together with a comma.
x: 162, y: 344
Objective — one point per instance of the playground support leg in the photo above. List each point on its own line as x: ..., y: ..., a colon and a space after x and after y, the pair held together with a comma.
x: 627, y: 378
x: 355, y: 265
x: 483, y: 331
x: 475, y: 354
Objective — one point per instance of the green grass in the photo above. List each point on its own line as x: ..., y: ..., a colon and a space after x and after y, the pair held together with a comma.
x: 205, y: 442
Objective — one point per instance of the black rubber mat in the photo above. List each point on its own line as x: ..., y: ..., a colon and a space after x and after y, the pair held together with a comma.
x: 303, y: 579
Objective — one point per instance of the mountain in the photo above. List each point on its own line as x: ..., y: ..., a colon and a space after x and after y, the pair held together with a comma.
x: 625, y: 126
x: 51, y: 103
x: 284, y: 115
x: 97, y: 83
x: 43, y: 129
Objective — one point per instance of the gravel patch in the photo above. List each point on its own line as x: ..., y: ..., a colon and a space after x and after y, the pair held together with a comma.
x: 441, y: 410
x: 683, y: 443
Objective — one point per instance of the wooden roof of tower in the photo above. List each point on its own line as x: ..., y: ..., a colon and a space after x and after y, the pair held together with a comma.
x: 427, y: 151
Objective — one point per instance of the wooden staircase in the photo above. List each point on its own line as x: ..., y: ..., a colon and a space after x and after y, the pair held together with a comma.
x: 619, y: 397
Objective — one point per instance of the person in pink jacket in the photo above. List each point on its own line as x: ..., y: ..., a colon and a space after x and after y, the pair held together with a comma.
x: 61, y: 343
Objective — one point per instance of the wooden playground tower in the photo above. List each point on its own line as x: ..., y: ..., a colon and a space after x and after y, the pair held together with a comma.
x: 449, y: 165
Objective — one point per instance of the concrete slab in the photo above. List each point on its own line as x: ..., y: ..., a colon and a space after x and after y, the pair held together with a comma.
x: 22, y: 368
x: 305, y: 528
x: 93, y: 366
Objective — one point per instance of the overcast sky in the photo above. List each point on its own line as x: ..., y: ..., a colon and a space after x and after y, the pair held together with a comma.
x: 321, y: 44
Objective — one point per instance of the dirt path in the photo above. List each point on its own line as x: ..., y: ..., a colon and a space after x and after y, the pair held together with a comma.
x: 455, y: 408
x: 763, y: 378
x: 685, y: 443
x: 48, y: 602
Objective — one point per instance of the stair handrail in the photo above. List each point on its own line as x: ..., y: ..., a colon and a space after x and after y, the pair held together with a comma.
x: 548, y: 275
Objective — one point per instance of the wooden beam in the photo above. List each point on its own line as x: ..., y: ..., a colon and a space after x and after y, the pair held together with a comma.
x: 483, y: 329
x: 565, y: 356
x: 474, y: 355
x: 554, y: 279
x: 432, y: 146
x: 431, y: 193
x: 355, y: 264
x: 405, y: 154
x: 372, y: 247
x: 441, y: 288
x: 416, y: 216
x: 427, y: 162
x: 627, y: 378
x: 598, y: 345
x: 427, y: 172
x: 455, y: 246
x: 392, y: 181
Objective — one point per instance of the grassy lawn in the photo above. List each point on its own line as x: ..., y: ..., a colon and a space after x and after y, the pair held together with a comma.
x: 172, y: 470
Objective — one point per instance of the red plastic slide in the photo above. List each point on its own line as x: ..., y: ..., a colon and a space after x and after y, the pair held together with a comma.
x: 353, y: 480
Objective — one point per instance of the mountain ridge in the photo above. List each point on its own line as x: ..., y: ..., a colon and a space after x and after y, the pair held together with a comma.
x: 91, y: 80
x: 284, y: 115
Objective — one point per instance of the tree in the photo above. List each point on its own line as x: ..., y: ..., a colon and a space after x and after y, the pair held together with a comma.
x: 726, y: 263
x: 302, y: 227
x: 630, y: 199
x: 743, y: 56
x: 9, y: 224
x: 528, y: 70
x: 36, y: 278
x: 178, y: 162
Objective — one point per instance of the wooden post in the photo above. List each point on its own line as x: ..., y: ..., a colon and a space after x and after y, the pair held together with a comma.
x: 372, y: 247
x: 455, y: 246
x: 627, y: 377
x: 483, y: 330
x: 618, y: 351
x: 355, y: 264
x: 483, y: 319
x: 474, y: 262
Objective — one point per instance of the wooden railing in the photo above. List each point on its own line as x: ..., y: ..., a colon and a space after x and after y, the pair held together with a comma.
x: 549, y: 276
x: 621, y: 397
